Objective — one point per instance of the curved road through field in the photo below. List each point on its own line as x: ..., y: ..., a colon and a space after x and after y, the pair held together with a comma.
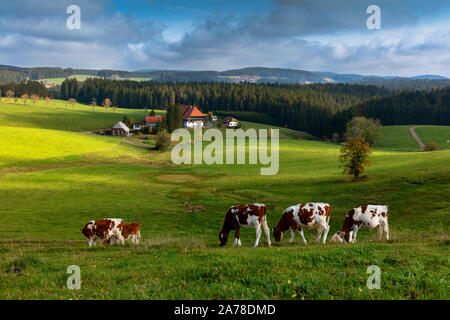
x: 416, y: 137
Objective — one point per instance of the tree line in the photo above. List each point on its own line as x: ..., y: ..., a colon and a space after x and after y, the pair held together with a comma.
x: 25, y: 87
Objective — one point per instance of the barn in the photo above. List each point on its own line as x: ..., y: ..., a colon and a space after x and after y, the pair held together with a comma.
x: 120, y: 129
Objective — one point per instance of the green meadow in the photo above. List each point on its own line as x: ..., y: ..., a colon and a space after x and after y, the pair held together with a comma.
x: 399, y: 137
x: 61, y: 116
x: 53, y: 180
x: 438, y: 134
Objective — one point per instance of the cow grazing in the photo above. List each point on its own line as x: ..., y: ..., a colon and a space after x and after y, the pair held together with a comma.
x: 246, y: 216
x: 103, y: 229
x: 130, y: 231
x: 367, y: 216
x: 300, y: 216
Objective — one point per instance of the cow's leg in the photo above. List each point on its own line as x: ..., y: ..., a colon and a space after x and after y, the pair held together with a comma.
x: 324, y: 225
x: 138, y: 238
x: 380, y: 232
x: 386, y: 230
x: 300, y: 230
x: 266, y: 231
x: 354, y: 233
x: 95, y: 242
x: 258, y: 234
x: 237, y: 235
x: 121, y: 240
x: 292, y: 235
x: 90, y: 243
x: 319, y: 233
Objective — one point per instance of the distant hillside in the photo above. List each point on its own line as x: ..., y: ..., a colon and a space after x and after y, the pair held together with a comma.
x: 250, y: 75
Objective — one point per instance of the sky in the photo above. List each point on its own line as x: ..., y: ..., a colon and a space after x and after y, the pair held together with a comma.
x: 314, y: 35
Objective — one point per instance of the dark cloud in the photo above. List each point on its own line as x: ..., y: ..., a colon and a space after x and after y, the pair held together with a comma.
x: 307, y: 34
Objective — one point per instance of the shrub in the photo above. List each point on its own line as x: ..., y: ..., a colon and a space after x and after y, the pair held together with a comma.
x: 431, y: 146
x: 162, y: 140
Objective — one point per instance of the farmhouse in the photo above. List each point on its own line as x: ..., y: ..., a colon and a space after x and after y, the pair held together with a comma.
x: 120, y: 129
x: 230, y: 122
x: 139, y: 125
x: 192, y: 117
x: 153, y: 121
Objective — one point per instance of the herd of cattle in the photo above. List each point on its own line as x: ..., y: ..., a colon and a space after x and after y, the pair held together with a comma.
x: 295, y: 218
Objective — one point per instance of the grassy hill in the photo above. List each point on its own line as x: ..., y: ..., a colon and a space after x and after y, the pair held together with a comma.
x: 26, y: 146
x: 399, y: 137
x: 439, y: 134
x: 285, y: 133
x: 60, y: 116
x: 60, y: 186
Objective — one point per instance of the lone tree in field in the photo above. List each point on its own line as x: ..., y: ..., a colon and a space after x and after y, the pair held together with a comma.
x: 24, y: 98
x: 9, y: 95
x: 354, y: 156
x: 93, y: 103
x: 72, y: 101
x: 34, y: 98
x: 107, y: 103
x: 369, y: 129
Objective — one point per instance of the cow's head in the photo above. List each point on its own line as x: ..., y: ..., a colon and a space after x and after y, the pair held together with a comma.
x: 338, y: 237
x: 87, y: 229
x: 277, y: 234
x: 223, y: 238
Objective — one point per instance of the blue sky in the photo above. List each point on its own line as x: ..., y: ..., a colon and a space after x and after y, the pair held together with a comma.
x: 318, y: 35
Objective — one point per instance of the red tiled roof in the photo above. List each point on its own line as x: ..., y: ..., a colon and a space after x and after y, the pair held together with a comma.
x: 153, y: 119
x: 190, y: 111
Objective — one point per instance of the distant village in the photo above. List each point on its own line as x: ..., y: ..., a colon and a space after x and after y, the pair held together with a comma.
x: 192, y: 117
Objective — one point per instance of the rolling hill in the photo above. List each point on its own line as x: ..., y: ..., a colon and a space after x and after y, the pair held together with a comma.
x: 66, y: 179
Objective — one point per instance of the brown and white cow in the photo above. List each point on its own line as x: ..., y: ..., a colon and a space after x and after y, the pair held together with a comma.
x: 103, y: 229
x: 246, y: 216
x: 308, y: 215
x: 130, y: 231
x: 368, y: 217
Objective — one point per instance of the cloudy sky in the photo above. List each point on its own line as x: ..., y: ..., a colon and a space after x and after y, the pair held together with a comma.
x: 317, y: 35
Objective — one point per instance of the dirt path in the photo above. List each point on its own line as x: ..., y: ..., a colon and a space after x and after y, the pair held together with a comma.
x: 136, y: 144
x: 416, y: 137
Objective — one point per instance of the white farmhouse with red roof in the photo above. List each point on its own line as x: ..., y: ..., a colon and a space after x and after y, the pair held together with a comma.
x: 192, y: 117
